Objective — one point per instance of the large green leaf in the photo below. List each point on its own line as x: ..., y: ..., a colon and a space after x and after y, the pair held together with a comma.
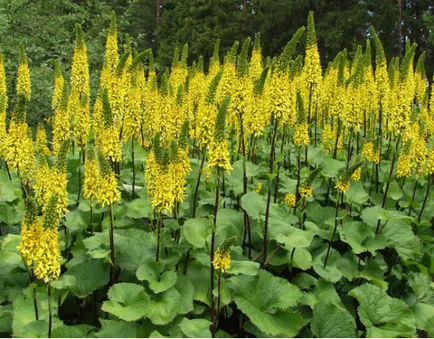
x: 332, y: 321
x: 133, y: 247
x: 9, y: 190
x: 88, y: 276
x: 164, y: 307
x: 24, y: 323
x: 186, y: 290
x: 356, y: 193
x: 200, y: 278
x: 158, y: 279
x: 76, y: 331
x: 128, y: 301
x: 399, y: 235
x: 116, y: 329
x: 10, y: 215
x: 196, y: 231
x: 376, y: 309
x: 254, y: 204
x: 266, y: 300
x: 77, y: 220
x: 361, y: 238
x: 196, y: 328
x: 243, y: 267
x: 139, y: 208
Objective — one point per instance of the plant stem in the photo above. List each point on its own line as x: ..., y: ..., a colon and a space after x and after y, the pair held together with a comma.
x: 7, y: 170
x: 91, y: 219
x: 412, y: 198
x: 301, y: 225
x: 35, y: 299
x: 430, y: 182
x: 79, y: 175
x: 335, y: 152
x: 349, y: 147
x: 297, y: 194
x: 383, y: 203
x: 338, y: 203
x: 215, y: 325
x: 159, y: 222
x: 196, y: 191
x: 267, y: 209
x: 112, y: 247
x: 246, y: 216
x: 216, y: 206
x: 276, y: 187
x: 134, y: 166
x: 50, y: 311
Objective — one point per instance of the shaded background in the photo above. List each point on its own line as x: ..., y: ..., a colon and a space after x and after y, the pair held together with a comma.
x: 47, y: 29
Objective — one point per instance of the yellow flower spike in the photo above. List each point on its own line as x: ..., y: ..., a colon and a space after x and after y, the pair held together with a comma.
x: 222, y: 256
x: 47, y: 260
x: 258, y: 187
x: 343, y: 185
x: 41, y: 141
x: 301, y: 134
x: 218, y: 151
x: 357, y: 174
x: 369, y: 153
x: 91, y: 176
x: 290, y: 200
x: 219, y: 156
x: 404, y: 165
x: 107, y: 192
x: 305, y: 191
x: 222, y: 260
x: 206, y: 171
x: 23, y: 81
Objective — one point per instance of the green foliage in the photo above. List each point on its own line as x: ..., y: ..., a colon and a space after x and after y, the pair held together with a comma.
x: 127, y: 301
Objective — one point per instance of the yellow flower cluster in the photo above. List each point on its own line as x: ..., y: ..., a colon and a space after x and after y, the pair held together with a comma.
x: 290, y: 200
x: 82, y: 123
x: 166, y: 183
x: 219, y: 155
x: 404, y: 165
x: 39, y: 243
x: 327, y: 139
x: 3, y: 105
x: 108, y: 191
x: 342, y: 184
x: 31, y: 234
x: 369, y: 153
x: 206, y: 171
x: 61, y: 125
x: 222, y: 260
x: 91, y: 180
x: 301, y: 134
x: 19, y: 151
x: 258, y: 187
x: 41, y: 141
x: 109, y: 143
x: 3, y: 134
x: 51, y: 181
x: 47, y: 263
x: 305, y: 191
x: 356, y: 175
x: 430, y: 165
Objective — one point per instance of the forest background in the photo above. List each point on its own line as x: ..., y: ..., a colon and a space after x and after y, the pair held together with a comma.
x: 46, y: 27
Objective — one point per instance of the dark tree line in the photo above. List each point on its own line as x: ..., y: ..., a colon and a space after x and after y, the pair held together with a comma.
x: 47, y: 29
